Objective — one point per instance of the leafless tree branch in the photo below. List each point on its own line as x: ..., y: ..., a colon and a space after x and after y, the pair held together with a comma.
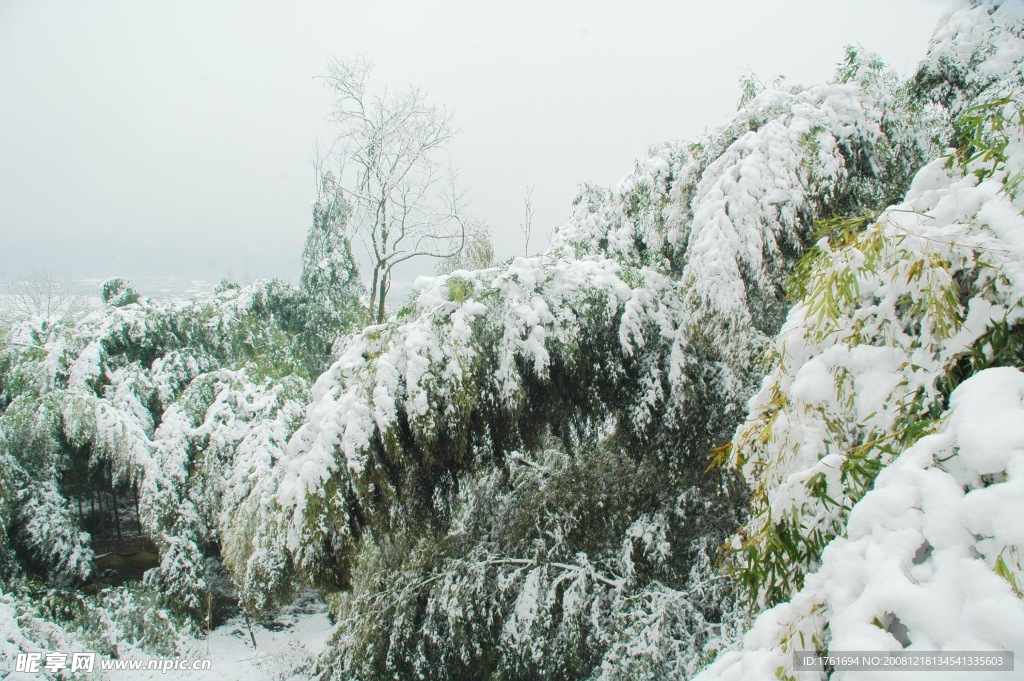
x: 40, y: 294
x: 402, y: 190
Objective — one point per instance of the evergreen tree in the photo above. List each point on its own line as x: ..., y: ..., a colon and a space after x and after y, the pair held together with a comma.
x: 330, y: 278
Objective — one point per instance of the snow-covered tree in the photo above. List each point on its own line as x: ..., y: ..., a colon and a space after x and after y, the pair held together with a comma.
x: 883, y: 447
x: 40, y: 294
x: 330, y: 277
x: 182, y: 405
x: 426, y: 478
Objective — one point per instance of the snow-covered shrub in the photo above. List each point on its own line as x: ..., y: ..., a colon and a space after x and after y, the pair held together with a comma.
x: 113, y: 623
x: 120, y: 619
x: 881, y: 435
x: 547, y: 569
x: 22, y: 630
x: 931, y: 556
x: 118, y: 292
x: 975, y: 54
x: 182, y: 403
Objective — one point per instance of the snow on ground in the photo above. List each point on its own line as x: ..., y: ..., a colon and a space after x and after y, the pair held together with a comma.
x: 283, y: 652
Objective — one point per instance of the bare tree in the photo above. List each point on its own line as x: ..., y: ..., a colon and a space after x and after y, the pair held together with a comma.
x: 41, y: 294
x: 527, y: 225
x: 395, y: 175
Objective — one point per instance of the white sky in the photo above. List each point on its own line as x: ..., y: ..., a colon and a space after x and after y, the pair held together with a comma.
x: 175, y: 138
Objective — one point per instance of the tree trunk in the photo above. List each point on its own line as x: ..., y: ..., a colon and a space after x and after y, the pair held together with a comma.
x: 138, y: 516
x: 382, y: 293
x: 373, y: 288
x: 113, y: 502
x: 117, y: 515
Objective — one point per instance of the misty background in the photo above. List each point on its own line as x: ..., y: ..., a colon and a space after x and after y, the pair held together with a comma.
x: 172, y: 142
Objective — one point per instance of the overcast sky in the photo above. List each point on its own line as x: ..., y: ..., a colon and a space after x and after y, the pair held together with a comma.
x: 175, y: 138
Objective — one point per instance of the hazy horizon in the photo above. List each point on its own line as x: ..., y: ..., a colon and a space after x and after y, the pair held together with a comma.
x: 164, y: 140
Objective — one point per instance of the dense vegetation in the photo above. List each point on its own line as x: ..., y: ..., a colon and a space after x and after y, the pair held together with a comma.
x: 752, y: 373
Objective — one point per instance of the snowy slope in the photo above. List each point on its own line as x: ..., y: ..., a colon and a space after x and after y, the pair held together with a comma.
x: 287, y: 651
